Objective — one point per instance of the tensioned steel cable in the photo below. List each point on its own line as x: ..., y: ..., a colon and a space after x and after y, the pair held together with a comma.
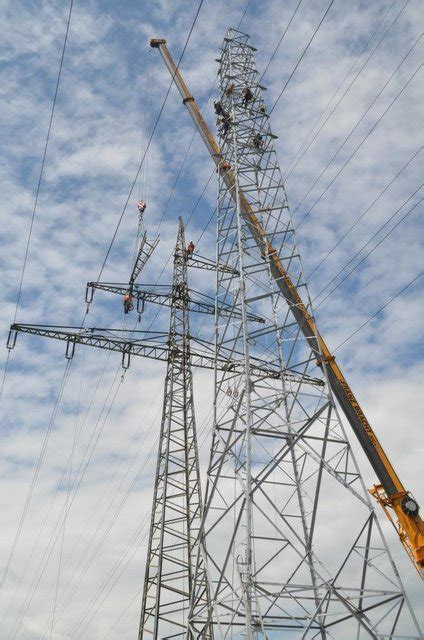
x: 364, y: 213
x: 369, y: 253
x: 37, y: 192
x: 384, y: 306
x: 36, y: 472
x: 301, y: 57
x: 288, y: 173
x: 149, y: 141
x: 274, y: 53
x: 141, y: 163
x: 364, y: 139
x: 352, y: 131
x: 368, y: 242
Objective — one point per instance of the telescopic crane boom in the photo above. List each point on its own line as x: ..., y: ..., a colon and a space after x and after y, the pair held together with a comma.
x: 399, y: 506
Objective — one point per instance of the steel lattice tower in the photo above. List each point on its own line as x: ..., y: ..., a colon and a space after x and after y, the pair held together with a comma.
x: 177, y: 503
x: 292, y: 545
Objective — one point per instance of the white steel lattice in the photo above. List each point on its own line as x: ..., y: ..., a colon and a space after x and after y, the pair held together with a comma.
x: 177, y: 504
x: 292, y: 546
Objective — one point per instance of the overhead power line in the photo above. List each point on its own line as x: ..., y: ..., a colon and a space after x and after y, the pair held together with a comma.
x: 364, y: 213
x: 352, y: 131
x: 364, y: 139
x: 371, y: 250
x: 384, y: 306
x: 274, y: 53
x: 301, y: 57
x: 349, y: 86
x: 37, y: 192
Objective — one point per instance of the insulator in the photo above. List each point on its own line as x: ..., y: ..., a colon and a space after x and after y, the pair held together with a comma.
x: 11, y: 339
x: 140, y: 306
x: 70, y: 349
x: 89, y: 293
x: 126, y: 360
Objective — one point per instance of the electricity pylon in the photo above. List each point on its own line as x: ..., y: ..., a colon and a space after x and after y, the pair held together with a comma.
x: 291, y: 541
x: 173, y: 552
x: 177, y: 503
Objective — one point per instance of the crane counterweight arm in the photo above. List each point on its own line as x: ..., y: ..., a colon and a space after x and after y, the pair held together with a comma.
x: 390, y: 493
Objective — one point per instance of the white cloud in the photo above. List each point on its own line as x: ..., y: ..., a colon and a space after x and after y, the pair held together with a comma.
x: 109, y: 79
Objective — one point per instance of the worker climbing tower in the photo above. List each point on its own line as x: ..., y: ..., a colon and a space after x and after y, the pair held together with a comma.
x: 291, y: 541
x: 177, y: 502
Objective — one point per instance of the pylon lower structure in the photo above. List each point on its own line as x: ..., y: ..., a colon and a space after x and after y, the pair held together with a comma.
x: 177, y: 502
x: 292, y: 545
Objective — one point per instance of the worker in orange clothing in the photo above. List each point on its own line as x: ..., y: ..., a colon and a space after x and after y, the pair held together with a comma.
x: 190, y: 248
x: 128, y: 304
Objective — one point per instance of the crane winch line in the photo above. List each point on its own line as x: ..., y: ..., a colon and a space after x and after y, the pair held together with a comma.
x: 399, y: 506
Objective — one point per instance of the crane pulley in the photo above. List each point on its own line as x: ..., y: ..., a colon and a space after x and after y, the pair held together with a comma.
x: 398, y: 504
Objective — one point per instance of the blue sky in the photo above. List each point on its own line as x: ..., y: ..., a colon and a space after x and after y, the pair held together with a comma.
x: 111, y: 89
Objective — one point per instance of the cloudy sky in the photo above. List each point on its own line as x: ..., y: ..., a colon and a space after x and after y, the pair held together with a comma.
x: 350, y: 137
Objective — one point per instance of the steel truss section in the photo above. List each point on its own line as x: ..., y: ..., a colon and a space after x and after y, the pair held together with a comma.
x: 292, y: 545
x: 164, y: 295
x: 154, y: 345
x: 144, y: 252
x: 173, y: 547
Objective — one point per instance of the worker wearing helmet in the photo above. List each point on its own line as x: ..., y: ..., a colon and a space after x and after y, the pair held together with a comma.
x: 190, y: 248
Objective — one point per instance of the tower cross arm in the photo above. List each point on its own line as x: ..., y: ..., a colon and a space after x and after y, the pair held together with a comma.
x: 165, y: 295
x: 155, y: 345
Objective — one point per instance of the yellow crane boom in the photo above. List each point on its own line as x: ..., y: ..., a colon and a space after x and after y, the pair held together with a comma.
x: 399, y: 506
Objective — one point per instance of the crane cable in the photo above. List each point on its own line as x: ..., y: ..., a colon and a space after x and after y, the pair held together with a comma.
x: 155, y: 126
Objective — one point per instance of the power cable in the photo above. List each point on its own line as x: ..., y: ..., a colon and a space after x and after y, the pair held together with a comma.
x: 48, y: 552
x: 149, y: 142
x: 371, y: 250
x: 351, y: 83
x: 301, y: 57
x: 352, y: 131
x: 36, y: 472
x: 244, y: 13
x: 37, y: 193
x: 364, y: 139
x: 374, y: 315
x: 68, y: 493
x: 363, y: 214
x: 280, y: 41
